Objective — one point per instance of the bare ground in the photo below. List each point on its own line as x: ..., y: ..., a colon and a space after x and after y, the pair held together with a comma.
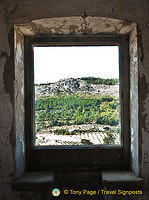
x: 98, y: 137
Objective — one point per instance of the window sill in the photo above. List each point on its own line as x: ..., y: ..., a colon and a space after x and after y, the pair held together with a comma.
x: 110, y: 179
x: 121, y: 179
x: 33, y: 181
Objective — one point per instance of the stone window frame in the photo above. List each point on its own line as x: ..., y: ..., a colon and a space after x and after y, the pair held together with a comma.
x: 117, y: 155
x: 23, y: 30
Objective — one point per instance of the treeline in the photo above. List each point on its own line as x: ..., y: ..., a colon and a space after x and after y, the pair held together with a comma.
x: 73, y: 109
x: 93, y: 80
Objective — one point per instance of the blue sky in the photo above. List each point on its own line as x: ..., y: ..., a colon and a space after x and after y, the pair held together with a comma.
x: 54, y: 63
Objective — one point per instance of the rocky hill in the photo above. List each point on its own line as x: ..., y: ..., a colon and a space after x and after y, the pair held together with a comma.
x: 72, y: 85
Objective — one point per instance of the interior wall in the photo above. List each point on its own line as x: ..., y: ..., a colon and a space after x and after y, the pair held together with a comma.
x: 13, y: 12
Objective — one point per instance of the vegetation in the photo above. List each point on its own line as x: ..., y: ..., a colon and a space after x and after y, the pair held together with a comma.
x: 65, y: 131
x: 93, y: 80
x: 109, y: 138
x: 75, y: 109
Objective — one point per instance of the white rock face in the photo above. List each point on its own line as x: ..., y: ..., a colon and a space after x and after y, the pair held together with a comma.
x: 72, y: 85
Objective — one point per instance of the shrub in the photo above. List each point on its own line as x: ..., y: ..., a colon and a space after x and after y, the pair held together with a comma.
x: 93, y: 80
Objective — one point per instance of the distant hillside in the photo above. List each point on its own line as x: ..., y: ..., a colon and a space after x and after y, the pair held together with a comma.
x: 89, y: 85
x: 77, y: 111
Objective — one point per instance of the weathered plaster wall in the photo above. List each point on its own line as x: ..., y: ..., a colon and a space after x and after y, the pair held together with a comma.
x: 134, y: 100
x: 12, y: 12
x: 131, y: 10
x: 6, y: 112
x: 19, y: 102
x: 75, y: 25
x: 144, y: 81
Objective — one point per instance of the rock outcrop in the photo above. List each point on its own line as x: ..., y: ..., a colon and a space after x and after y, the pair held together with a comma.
x: 72, y: 85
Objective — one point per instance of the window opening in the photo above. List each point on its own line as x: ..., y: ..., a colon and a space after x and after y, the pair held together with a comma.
x: 76, y: 95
